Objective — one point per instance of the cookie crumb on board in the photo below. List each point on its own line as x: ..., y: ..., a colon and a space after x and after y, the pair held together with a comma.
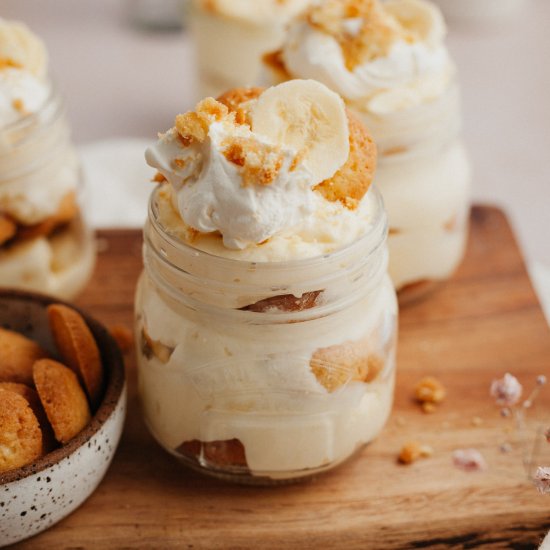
x: 412, y: 451
x: 429, y: 392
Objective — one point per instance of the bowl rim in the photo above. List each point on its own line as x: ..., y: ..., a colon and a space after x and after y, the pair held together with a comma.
x: 110, y: 355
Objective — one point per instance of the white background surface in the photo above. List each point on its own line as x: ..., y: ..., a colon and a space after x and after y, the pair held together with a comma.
x: 121, y: 82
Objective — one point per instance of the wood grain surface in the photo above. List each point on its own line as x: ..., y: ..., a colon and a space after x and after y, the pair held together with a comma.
x: 484, y: 322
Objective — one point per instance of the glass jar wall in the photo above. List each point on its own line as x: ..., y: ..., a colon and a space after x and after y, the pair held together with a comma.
x: 45, y: 244
x: 424, y: 175
x: 265, y: 372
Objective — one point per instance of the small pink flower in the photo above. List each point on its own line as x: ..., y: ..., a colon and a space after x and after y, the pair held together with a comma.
x: 542, y: 479
x: 506, y: 390
x: 469, y: 460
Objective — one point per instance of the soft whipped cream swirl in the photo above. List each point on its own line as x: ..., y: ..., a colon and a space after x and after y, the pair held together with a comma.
x: 235, y: 181
x: 211, y: 195
x: 416, y: 67
x: 24, y: 87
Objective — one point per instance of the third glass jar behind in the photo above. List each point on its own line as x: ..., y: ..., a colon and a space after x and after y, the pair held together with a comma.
x: 424, y: 175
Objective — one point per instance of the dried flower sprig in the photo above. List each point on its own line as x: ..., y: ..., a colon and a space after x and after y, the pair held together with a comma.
x: 542, y: 479
x: 507, y: 392
x: 469, y: 460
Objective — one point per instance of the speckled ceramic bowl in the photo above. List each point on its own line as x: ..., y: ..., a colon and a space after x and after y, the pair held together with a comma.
x: 36, y: 496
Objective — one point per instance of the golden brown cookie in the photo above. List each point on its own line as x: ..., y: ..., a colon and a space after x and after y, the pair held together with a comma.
x: 77, y: 348
x: 333, y: 366
x: 22, y: 389
x: 350, y: 183
x: 35, y: 404
x: 285, y: 302
x: 353, y: 180
x: 66, y: 211
x: 17, y: 355
x: 20, y: 435
x: 8, y: 228
x: 62, y: 397
x: 229, y: 452
x: 235, y: 100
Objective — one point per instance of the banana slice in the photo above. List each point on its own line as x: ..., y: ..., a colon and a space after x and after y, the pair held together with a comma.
x: 422, y: 18
x: 308, y: 117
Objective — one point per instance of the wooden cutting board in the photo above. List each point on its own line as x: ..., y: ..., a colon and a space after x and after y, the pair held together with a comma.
x: 484, y: 322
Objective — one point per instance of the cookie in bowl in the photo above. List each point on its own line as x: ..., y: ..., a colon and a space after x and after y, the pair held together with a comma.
x: 56, y: 440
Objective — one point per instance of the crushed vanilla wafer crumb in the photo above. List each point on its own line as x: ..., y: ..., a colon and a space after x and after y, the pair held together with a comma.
x: 239, y: 101
x: 7, y: 63
x: 429, y: 392
x: 364, y: 30
x: 412, y: 451
x: 19, y: 106
x: 193, y: 125
x: 260, y: 162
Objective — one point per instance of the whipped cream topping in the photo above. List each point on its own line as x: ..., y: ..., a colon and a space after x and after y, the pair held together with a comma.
x: 24, y: 87
x: 21, y: 93
x: 210, y: 194
x: 21, y: 48
x: 230, y: 179
x: 255, y: 11
x: 415, y: 67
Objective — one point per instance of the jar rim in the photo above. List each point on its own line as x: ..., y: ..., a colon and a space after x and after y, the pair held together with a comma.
x: 378, y: 229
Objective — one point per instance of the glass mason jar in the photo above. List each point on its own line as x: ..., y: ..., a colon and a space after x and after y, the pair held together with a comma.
x: 265, y: 372
x: 46, y: 244
x: 229, y: 50
x: 424, y: 176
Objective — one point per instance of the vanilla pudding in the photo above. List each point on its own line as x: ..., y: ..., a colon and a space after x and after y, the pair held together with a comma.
x: 232, y: 35
x: 44, y: 243
x: 265, y: 316
x: 390, y: 63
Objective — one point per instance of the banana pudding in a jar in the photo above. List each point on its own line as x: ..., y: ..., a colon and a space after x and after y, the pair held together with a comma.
x: 44, y: 243
x: 265, y: 317
x: 232, y: 35
x: 389, y: 62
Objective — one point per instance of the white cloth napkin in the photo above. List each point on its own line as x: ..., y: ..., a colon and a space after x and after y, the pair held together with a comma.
x: 118, y: 182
